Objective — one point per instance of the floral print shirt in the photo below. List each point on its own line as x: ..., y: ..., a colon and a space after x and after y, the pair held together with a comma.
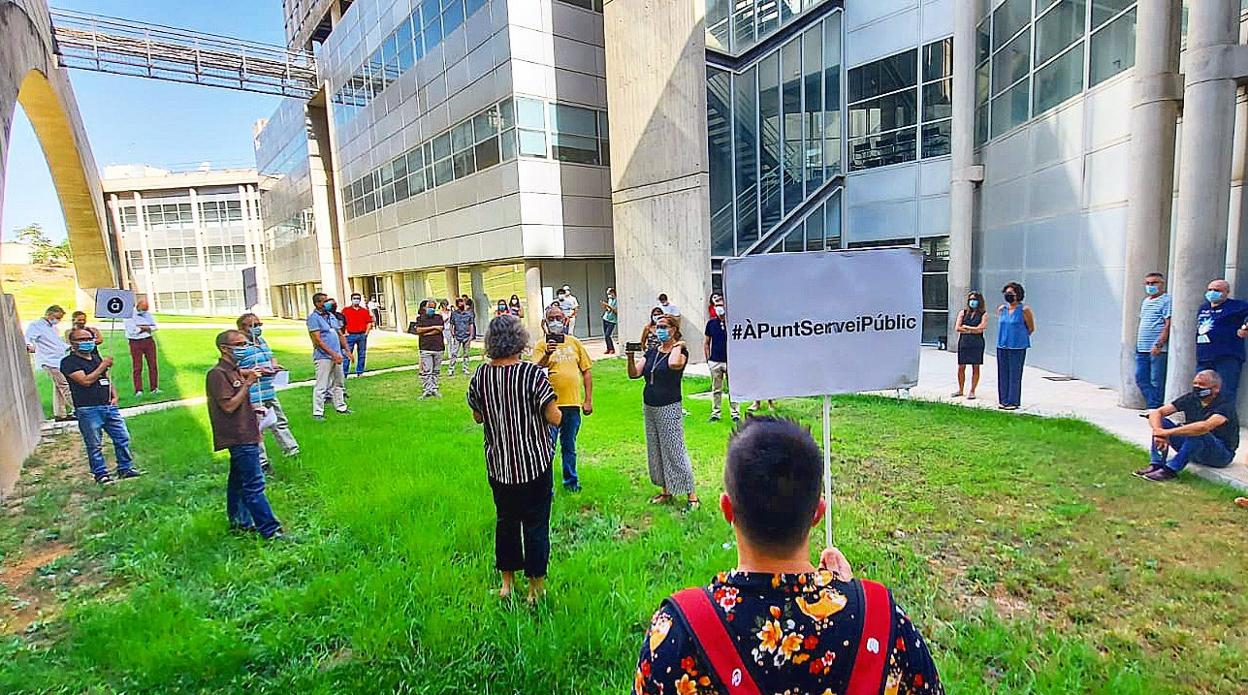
x: 797, y: 632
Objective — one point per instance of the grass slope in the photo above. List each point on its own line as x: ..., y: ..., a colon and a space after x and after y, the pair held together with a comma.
x: 1024, y: 550
x: 184, y: 355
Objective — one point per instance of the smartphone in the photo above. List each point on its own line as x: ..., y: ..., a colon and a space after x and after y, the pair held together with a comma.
x: 632, y: 347
x: 554, y: 337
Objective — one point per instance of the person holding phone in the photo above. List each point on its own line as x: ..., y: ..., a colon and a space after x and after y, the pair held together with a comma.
x: 666, y: 453
x: 569, y: 370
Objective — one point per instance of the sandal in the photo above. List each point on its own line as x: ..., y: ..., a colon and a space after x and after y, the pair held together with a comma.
x: 662, y: 498
x: 693, y: 505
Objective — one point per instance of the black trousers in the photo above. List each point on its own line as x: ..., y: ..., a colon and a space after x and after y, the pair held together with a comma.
x: 522, y: 531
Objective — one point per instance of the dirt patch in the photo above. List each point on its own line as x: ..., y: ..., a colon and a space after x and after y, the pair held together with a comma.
x: 25, y: 603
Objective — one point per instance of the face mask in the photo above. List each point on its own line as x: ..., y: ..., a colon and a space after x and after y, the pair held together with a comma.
x: 1213, y: 296
x: 1202, y: 393
x: 502, y: 307
x: 555, y: 326
x: 663, y: 334
x: 86, y: 345
x: 974, y: 303
x: 256, y: 331
x: 1152, y: 289
x: 1010, y: 297
x: 329, y: 306
x: 54, y: 321
x: 241, y: 353
x: 654, y: 319
x: 356, y: 302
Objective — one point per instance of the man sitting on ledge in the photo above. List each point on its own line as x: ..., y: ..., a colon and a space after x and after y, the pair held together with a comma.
x: 1209, y: 435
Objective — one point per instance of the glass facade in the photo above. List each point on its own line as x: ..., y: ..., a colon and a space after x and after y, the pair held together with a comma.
x: 773, y: 138
x: 901, y: 107
x: 415, y: 36
x: 734, y: 27
x: 522, y: 126
x: 1033, y: 58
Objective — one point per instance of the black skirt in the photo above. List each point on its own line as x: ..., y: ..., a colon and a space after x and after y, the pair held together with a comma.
x: 970, y: 349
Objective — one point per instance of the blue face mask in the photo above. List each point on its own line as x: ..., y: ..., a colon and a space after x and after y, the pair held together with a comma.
x: 430, y: 311
x: 241, y: 353
x: 330, y: 306
x: 663, y: 334
x: 974, y: 303
x: 1152, y: 290
x: 256, y: 331
x: 1213, y: 296
x: 555, y: 327
x: 86, y: 346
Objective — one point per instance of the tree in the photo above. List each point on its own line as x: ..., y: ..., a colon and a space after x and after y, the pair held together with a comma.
x: 64, y: 252
x: 43, y: 251
x: 33, y: 235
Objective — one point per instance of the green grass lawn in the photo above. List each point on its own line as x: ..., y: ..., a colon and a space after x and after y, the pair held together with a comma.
x: 1022, y: 547
x: 184, y: 356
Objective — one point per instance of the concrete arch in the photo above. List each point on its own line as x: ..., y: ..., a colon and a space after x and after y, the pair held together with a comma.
x: 30, y: 75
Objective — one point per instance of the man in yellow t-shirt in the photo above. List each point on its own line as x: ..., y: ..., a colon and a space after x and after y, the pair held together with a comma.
x: 568, y: 364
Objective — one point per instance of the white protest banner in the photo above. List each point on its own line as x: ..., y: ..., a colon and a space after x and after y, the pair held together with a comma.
x: 114, y: 304
x: 814, y: 324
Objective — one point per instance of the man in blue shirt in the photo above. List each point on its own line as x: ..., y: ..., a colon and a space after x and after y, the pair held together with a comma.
x: 715, y: 347
x: 328, y: 354
x: 1151, y: 339
x: 1220, y: 336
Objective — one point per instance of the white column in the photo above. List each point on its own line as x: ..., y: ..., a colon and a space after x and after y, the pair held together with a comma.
x: 964, y: 173
x: 1154, y: 113
x: 201, y: 254
x: 534, y: 305
x: 149, y: 284
x: 1199, y: 252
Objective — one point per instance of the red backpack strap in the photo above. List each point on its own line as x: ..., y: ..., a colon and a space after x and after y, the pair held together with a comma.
x: 708, y: 632
x: 871, y: 661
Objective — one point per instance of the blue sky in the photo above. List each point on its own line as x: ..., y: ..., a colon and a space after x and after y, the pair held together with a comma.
x: 137, y: 121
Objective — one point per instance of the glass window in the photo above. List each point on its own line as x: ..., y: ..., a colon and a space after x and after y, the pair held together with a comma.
x: 442, y: 146
x: 832, y: 93
x: 719, y: 148
x: 832, y: 222
x: 433, y: 31
x: 769, y: 142
x: 532, y: 143
x: 814, y: 230
x: 983, y: 42
x: 574, y: 148
x: 883, y: 76
x: 1059, y: 28
x: 452, y: 16
x: 938, y: 100
x: 743, y: 25
x: 461, y: 136
x: 796, y: 239
x: 573, y: 120
x: 812, y: 68
x: 507, y: 114
x: 884, y: 149
x: 982, y: 84
x: 794, y: 169
x: 486, y: 153
x: 443, y: 172
x: 401, y: 191
x: 745, y: 140
x: 508, y: 142
x: 885, y: 113
x: 1010, y: 109
x: 938, y: 60
x: 1008, y: 19
x: 530, y: 113
x: 1011, y: 63
x: 936, y: 138
x: 1059, y: 80
x: 717, y: 24
x: 464, y: 163
x: 1105, y: 10
x: 1113, y: 49
x: 483, y: 125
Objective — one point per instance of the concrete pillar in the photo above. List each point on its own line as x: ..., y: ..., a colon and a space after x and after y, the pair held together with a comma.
x: 534, y: 306
x: 1154, y: 113
x: 660, y: 181
x: 485, y: 312
x: 201, y: 249
x: 1199, y: 252
x: 148, y: 285
x: 398, y: 299
x: 452, y: 283
x: 964, y: 173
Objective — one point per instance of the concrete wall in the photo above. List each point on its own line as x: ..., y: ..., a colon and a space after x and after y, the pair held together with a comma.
x: 1052, y: 216
x: 29, y: 74
x: 660, y: 182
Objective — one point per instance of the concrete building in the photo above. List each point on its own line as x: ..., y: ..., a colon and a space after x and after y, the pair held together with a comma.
x: 467, y: 142
x: 188, y: 236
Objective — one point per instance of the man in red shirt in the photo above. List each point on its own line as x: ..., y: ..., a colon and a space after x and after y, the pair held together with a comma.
x: 359, y: 324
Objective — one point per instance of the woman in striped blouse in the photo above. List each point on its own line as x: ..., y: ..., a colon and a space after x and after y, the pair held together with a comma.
x: 513, y: 399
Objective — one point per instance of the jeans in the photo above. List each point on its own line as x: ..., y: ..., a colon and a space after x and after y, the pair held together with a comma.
x: 357, y: 342
x: 245, y: 502
x: 1010, y: 375
x: 522, y: 529
x: 144, y: 350
x: 565, y: 436
x: 1150, y: 377
x: 1206, y: 449
x: 92, y: 419
x: 608, y: 330
x: 1229, y: 369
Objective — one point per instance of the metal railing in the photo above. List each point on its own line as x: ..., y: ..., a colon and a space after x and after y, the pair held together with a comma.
x: 124, y: 47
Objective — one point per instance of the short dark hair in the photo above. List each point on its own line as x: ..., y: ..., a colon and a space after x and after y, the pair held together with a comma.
x: 1018, y: 289
x: 663, y: 297
x: 224, y: 336
x: 773, y: 475
x: 76, y: 314
x: 319, y: 296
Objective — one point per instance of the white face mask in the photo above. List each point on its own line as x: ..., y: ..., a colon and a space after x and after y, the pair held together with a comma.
x: 355, y: 302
